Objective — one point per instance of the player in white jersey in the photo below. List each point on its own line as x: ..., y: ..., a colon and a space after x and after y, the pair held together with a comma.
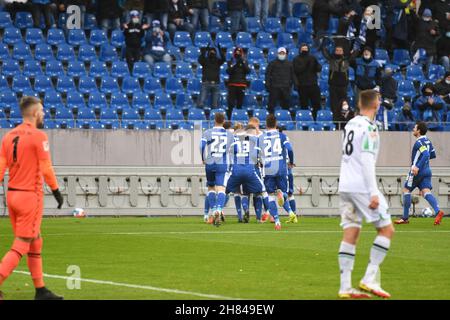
x: 360, y: 198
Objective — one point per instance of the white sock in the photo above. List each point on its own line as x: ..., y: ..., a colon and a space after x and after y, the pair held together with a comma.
x: 346, y: 259
x: 378, y: 252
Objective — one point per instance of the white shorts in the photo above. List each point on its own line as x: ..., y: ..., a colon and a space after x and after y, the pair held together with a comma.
x: 354, y: 206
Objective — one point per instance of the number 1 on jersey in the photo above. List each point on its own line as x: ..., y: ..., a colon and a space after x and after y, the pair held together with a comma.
x: 15, y: 142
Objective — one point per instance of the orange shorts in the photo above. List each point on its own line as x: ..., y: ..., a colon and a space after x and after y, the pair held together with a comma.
x: 25, y: 211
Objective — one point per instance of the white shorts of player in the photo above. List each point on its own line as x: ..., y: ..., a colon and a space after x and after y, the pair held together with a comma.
x: 354, y: 206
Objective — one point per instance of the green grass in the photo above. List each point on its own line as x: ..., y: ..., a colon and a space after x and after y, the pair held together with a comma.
x: 248, y: 261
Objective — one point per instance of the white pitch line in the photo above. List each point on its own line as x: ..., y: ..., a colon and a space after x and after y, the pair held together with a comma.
x: 135, y: 286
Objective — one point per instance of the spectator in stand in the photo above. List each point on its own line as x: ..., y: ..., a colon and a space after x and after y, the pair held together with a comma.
x: 261, y: 10
x: 282, y: 4
x: 45, y: 7
x: 211, y: 61
x: 14, y: 6
x: 321, y: 12
x: 388, y: 86
x: 427, y: 32
x: 347, y: 31
x: 338, y: 78
x: 199, y: 10
x: 178, y: 14
x: 157, y: 10
x: 306, y: 68
x: 133, y: 32
x: 130, y: 5
x: 236, y: 11
x: 443, y: 89
x: 443, y: 50
x: 238, y: 70
x: 430, y: 105
x: 399, y: 23
x: 367, y: 73
x: 441, y: 12
x: 82, y: 4
x: 109, y: 13
x: 367, y: 34
x: 155, y: 48
x: 405, y: 118
x: 280, y: 79
x: 345, y: 115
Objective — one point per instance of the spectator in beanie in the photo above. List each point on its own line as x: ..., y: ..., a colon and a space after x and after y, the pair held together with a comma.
x: 133, y: 33
x: 237, y: 70
x: 178, y: 14
x: 156, y: 42
x: 211, y: 61
x: 130, y: 5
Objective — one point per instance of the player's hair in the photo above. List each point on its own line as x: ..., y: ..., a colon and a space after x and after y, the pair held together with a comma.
x: 271, y: 121
x: 26, y: 102
x: 367, y: 97
x: 227, y: 125
x: 238, y: 126
x: 254, y: 119
x: 219, y: 117
x: 422, y: 127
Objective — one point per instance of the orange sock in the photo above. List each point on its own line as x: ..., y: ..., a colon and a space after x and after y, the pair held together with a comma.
x: 34, y: 261
x: 12, y: 258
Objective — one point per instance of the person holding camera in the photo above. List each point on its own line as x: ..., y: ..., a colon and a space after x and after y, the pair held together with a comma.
x: 211, y: 61
x: 156, y: 42
x: 238, y: 70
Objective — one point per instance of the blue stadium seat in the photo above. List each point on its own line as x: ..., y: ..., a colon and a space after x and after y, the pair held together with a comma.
x: 301, y: 10
x: 119, y: 69
x: 273, y: 25
x: 64, y: 114
x: 130, y: 85
x: 50, y: 124
x: 202, y: 39
x: 191, y: 54
x: 7, y: 99
x: 98, y: 69
x: 182, y: 39
x: 244, y: 40
x: 108, y: 114
x: 162, y: 70
x: 185, y: 125
x: 87, y: 84
x: 414, y: 73
x: 193, y: 86
x: 130, y: 114
x: 21, y: 51
x: 219, y: 8
x: 12, y: 36
x: 153, y: 115
x: 253, y: 25
x: 109, y: 85
x: 162, y: 101
x: 55, y: 37
x: 406, y: 88
x: 117, y: 39
x: 174, y: 52
x: 108, y: 53
x: 140, y: 100
x: 43, y: 52
x: 52, y: 98
x: 54, y: 68
x: 141, y: 70
x: 255, y: 56
x: 401, y: 57
x: 250, y: 101
x: 239, y: 115
x: 119, y: 101
x: 65, y: 84
x: 173, y: 116
x: 224, y: 39
x: 4, y: 83
x: 4, y: 51
x: 316, y: 127
x: 333, y: 25
x: 152, y: 85
x: 10, y: 68
x: 264, y: 40
x: 174, y: 86
x: 272, y: 54
x: 87, y: 53
x: 285, y: 39
x: 5, y: 20
x: 76, y: 69
x: 14, y: 112
x: 21, y: 83
x: 5, y: 124
x: 435, y: 72
x: 97, y: 38
x: 75, y: 99
x: 382, y: 56
x: 258, y: 88
x: 214, y: 24
x: 42, y: 84
x: 261, y: 114
x: 305, y: 37
x: 324, y: 116
x: 97, y: 100
x: 34, y: 36
x: 86, y: 114
x: 65, y: 52
x: 23, y: 20
x: 304, y: 119
x: 196, y: 114
x: 76, y: 37
x: 283, y: 115
x: 183, y: 70
x: 63, y: 124
x: 90, y: 22
x: 293, y: 25
x: 32, y: 68
x: 183, y: 101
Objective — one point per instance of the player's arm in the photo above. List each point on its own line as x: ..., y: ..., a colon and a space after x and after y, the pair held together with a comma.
x: 432, y: 152
x: 290, y: 151
x: 3, y: 163
x: 203, y: 143
x: 368, y: 151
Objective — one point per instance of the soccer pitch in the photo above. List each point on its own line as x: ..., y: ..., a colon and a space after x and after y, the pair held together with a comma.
x: 183, y: 258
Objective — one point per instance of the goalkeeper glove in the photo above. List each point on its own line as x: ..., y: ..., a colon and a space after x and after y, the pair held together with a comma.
x: 59, y: 198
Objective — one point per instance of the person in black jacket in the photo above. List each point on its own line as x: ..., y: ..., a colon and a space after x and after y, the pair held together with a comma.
x: 442, y: 87
x: 236, y: 12
x: 443, y: 49
x: 306, y: 68
x: 133, y: 32
x: 199, y: 10
x: 238, y: 70
x: 210, y: 62
x: 157, y: 10
x: 109, y: 13
x: 321, y: 12
x: 427, y: 32
x: 388, y: 85
x: 279, y: 81
x: 178, y: 14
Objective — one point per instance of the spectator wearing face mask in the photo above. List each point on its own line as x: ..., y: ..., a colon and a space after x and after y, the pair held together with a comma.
x: 443, y: 50
x: 237, y: 70
x: 430, y: 105
x: 279, y: 81
x: 405, y: 118
x: 443, y: 88
x: 155, y: 48
x: 441, y: 12
x: 306, y: 68
x: 345, y: 115
x: 346, y: 30
x: 367, y: 73
x: 133, y: 32
x: 388, y: 86
x: 130, y: 5
x: 211, y: 61
x: 427, y: 32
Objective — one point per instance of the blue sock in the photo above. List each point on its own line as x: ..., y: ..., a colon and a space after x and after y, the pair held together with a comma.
x: 206, y: 206
x: 293, y: 204
x: 245, y: 203
x: 220, y: 203
x: 238, y: 205
x: 212, y: 200
x: 406, y: 205
x: 258, y: 204
x: 273, y: 210
x: 432, y: 201
x: 265, y: 197
x: 227, y: 198
x: 287, y: 206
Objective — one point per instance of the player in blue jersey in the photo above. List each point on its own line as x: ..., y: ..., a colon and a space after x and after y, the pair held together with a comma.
x: 214, y: 147
x: 420, y: 174
x: 276, y: 150
x: 245, y: 154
